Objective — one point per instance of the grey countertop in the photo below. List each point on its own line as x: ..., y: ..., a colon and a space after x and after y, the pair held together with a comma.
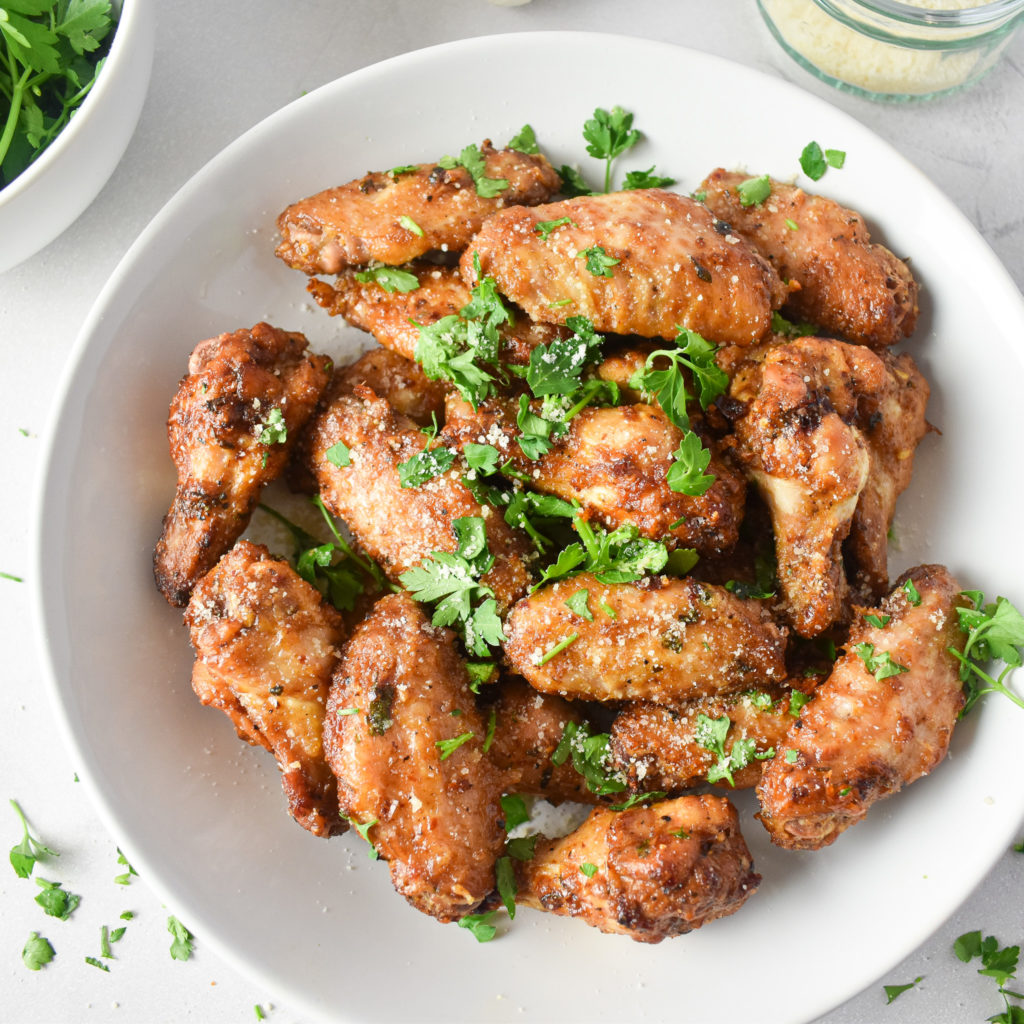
x: 220, y: 68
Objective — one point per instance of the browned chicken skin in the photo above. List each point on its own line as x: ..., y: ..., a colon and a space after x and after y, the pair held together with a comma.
x: 374, y: 218
x: 400, y: 382
x: 222, y: 409
x: 671, y: 640
x: 614, y: 461
x: 862, y: 738
x: 848, y: 285
x: 674, y: 270
x: 435, y: 817
x: 528, y: 728
x: 657, y: 748
x: 648, y: 872
x: 823, y: 418
x: 397, y: 526
x: 266, y: 643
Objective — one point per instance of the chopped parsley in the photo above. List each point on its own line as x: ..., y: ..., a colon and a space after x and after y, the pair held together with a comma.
x: 591, y: 757
x: 878, y: 621
x: 797, y: 699
x: 424, y: 466
x: 646, y: 179
x: 780, y: 325
x: 588, y: 869
x: 479, y: 925
x: 181, y: 946
x: 792, y: 756
x: 913, y: 596
x: 754, y: 191
x: 474, y: 161
x: 37, y: 952
x: 448, y: 747
x: 997, y: 962
x: 814, y: 161
x: 364, y: 831
x: 410, y: 225
x: 339, y: 455
x: 711, y: 734
x: 599, y: 263
x: 577, y: 604
x: 792, y: 224
x: 893, y: 991
x: 525, y: 141
x: 545, y: 227
x: 638, y: 798
x: 24, y: 855
x: 91, y: 960
x: 391, y: 279
x: 556, y: 649
x: 505, y: 878
x: 881, y: 666
x: 273, y: 429
x: 56, y: 901
x: 126, y: 878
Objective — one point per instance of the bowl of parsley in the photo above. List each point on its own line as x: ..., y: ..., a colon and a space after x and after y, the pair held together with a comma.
x: 73, y: 77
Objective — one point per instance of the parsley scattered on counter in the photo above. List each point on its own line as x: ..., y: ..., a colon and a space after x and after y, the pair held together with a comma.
x: 103, y: 967
x: 893, y: 991
x: 999, y: 963
x: 24, y: 855
x: 37, y: 952
x: 181, y: 947
x: 391, y: 279
x: 815, y: 162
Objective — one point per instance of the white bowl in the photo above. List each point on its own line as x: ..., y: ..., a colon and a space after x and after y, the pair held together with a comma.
x: 51, y: 193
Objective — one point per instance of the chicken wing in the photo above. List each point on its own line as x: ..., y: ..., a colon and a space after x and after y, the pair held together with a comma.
x: 614, y: 462
x: 667, y: 749
x: 648, y: 872
x: 405, y: 741
x: 528, y: 727
x: 393, y: 217
x: 400, y: 526
x: 232, y: 425
x: 400, y: 382
x: 394, y: 318
x: 882, y: 719
x: 847, y: 285
x: 670, y: 640
x: 266, y: 643
x: 643, y: 262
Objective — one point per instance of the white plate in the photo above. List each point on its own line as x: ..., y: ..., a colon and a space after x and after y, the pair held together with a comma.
x: 203, y: 817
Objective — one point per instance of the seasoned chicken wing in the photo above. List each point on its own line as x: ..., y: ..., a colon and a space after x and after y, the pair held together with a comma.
x: 399, y: 526
x: 670, y: 749
x: 847, y: 284
x: 394, y: 318
x: 528, y: 727
x: 232, y: 426
x: 405, y: 741
x: 644, y: 262
x: 882, y: 719
x: 810, y: 463
x: 400, y: 382
x: 393, y: 217
x: 266, y: 643
x: 614, y: 462
x: 670, y: 640
x: 648, y: 872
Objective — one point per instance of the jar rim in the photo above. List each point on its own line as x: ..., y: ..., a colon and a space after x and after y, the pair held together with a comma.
x: 994, y: 11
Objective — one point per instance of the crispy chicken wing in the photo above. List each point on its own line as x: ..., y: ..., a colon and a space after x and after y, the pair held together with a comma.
x: 266, y: 643
x: 232, y: 426
x: 393, y: 217
x: 528, y: 727
x: 395, y: 318
x: 411, y: 770
x: 660, y: 749
x: 670, y: 640
x: 399, y: 526
x: 400, y: 382
x: 848, y: 285
x: 670, y: 268
x: 614, y: 461
x: 882, y: 719
x: 648, y: 872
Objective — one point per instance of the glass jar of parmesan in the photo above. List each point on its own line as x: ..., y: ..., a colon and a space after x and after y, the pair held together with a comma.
x: 889, y: 50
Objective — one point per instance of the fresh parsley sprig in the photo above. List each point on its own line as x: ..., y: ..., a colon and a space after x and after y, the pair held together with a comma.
x: 24, y: 855
x: 998, y: 962
x: 995, y: 632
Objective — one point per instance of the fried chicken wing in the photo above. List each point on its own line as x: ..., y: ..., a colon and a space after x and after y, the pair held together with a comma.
x: 669, y: 267
x: 810, y: 465
x: 660, y: 749
x: 399, y: 526
x: 648, y: 872
x: 882, y: 719
x: 848, y: 285
x: 232, y: 425
x: 400, y: 382
x: 394, y: 318
x: 614, y: 462
x: 670, y: 640
x: 393, y: 217
x: 266, y: 643
x: 528, y: 727
x: 411, y: 770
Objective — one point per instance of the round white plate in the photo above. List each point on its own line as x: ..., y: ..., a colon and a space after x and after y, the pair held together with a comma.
x: 202, y: 816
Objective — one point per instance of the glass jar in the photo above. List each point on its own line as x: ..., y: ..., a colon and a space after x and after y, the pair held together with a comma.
x: 888, y: 50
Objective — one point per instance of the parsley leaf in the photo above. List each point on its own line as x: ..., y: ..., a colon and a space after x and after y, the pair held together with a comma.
x: 339, y: 455
x: 588, y: 869
x: 56, y: 901
x: 24, y: 855
x: 878, y: 621
x: 577, y: 604
x: 556, y: 649
x: 555, y: 368
x: 892, y: 991
x: 711, y: 734
x: 812, y: 161
x: 505, y: 877
x: 525, y: 141
x: 686, y: 474
x: 754, y: 191
x: 391, y: 279
x: 835, y: 157
x: 37, y: 952
x: 410, y: 225
x: 424, y: 466
x: 912, y: 593
x: 646, y: 179
x: 545, y: 227
x: 181, y: 947
x: 608, y: 135
x: 126, y: 878
x: 639, y: 798
x: 479, y: 925
x: 513, y: 808
x: 881, y: 666
x: 536, y: 432
x: 273, y: 429
x: 599, y: 263
x: 780, y: 325
x: 591, y: 757
x: 572, y: 182
x: 474, y: 161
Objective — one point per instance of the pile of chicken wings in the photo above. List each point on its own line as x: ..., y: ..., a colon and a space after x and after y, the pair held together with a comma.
x: 784, y: 660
